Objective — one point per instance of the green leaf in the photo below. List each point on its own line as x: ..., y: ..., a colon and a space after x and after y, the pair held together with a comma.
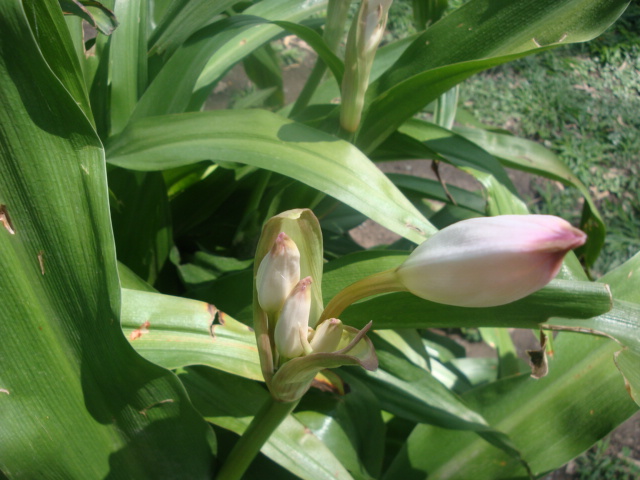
x: 211, y: 51
x: 532, y: 157
x: 456, y: 150
x: 181, y: 19
x: 622, y: 323
x: 581, y: 393
x: 426, y: 188
x: 94, y: 13
x: 141, y: 221
x: 77, y: 401
x: 263, y: 69
x: 316, y: 42
x: 176, y: 332
x: 413, y: 393
x: 477, y: 36
x: 268, y: 141
x: 350, y: 425
x: 57, y: 48
x: 242, y: 43
x: 127, y: 62
x: 292, y: 445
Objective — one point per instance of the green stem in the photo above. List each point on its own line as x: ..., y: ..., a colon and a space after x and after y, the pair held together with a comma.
x: 268, y: 418
x: 383, y: 282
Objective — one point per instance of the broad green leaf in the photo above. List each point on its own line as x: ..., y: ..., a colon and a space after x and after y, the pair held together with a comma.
x: 350, y: 425
x: 76, y: 400
x: 244, y: 42
x: 211, y: 51
x: 127, y: 62
x: 532, y: 157
x: 500, y: 339
x: 316, y: 42
x: 622, y: 323
x: 582, y: 393
x: 176, y: 332
x: 94, y: 13
x: 427, y: 188
x: 268, y: 141
x: 625, y: 280
x: 263, y: 69
x: 202, y: 199
x: 479, y: 35
x: 561, y: 298
x: 627, y: 362
x: 140, y: 219
x: 456, y: 150
x: 57, y: 48
x: 292, y: 445
x: 181, y: 19
x: 413, y: 393
x: 171, y: 88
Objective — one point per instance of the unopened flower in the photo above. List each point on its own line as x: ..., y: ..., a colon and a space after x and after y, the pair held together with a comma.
x: 277, y: 274
x: 293, y: 324
x: 364, y: 36
x: 489, y: 261
x: 327, y: 336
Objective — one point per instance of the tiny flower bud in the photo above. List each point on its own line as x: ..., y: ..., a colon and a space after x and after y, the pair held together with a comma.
x: 294, y: 320
x: 327, y: 336
x: 277, y: 274
x: 365, y: 34
x: 489, y: 261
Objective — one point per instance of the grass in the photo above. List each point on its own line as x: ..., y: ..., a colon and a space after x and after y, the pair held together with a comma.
x: 598, y: 464
x: 583, y: 102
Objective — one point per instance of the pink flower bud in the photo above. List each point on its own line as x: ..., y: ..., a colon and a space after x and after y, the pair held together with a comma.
x: 489, y: 261
x: 293, y: 323
x: 327, y: 336
x: 277, y: 274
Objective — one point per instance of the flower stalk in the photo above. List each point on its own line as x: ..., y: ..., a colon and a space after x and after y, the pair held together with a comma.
x: 266, y: 421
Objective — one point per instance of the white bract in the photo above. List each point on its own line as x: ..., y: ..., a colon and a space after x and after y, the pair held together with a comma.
x: 489, y: 261
x: 327, y: 336
x: 277, y: 274
x: 293, y: 324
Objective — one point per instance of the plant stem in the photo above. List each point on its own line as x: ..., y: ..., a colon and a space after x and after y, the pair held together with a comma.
x: 383, y: 282
x: 268, y: 418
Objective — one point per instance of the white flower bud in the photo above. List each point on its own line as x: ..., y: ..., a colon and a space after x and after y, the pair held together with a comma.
x: 327, y: 336
x: 489, y: 261
x: 277, y: 274
x: 293, y: 323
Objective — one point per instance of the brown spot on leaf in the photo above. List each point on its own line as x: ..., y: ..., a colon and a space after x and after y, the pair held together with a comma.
x: 138, y: 332
x: 538, y: 359
x: 41, y: 261
x: 5, y: 219
x: 154, y: 405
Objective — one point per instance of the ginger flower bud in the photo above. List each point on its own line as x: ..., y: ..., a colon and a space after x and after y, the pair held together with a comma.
x: 293, y: 324
x: 277, y: 274
x: 327, y: 336
x: 489, y: 261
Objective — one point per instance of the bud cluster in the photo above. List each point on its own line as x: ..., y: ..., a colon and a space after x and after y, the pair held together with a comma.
x: 287, y: 301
